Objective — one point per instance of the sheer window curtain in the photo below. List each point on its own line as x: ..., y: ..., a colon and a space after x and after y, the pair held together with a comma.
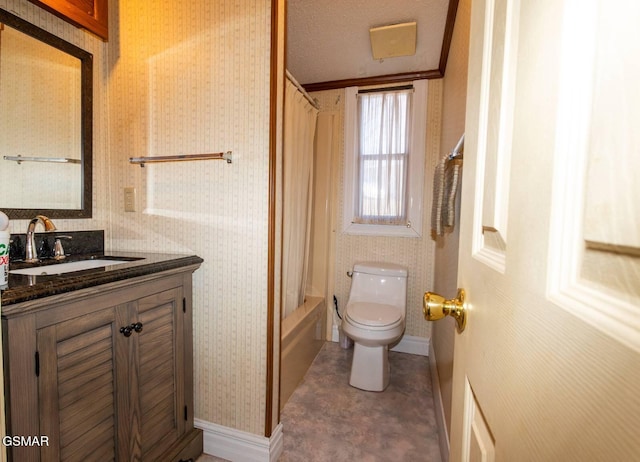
x: 383, y: 152
x: 298, y: 146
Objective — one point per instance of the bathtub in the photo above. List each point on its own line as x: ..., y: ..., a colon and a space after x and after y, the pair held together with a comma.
x: 303, y: 333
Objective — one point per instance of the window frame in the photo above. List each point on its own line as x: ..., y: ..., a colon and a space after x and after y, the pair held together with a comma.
x: 415, y: 168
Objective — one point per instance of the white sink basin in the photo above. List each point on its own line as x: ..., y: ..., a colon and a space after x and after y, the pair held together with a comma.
x: 70, y: 267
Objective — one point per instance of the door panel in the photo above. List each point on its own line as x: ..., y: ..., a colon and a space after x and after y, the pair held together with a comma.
x: 478, y: 438
x: 594, y: 263
x: 493, y: 58
x: 613, y: 138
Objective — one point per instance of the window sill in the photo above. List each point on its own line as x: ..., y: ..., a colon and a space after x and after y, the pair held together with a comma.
x: 382, y: 230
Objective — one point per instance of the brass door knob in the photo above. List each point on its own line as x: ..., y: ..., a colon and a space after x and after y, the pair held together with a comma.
x: 436, y: 307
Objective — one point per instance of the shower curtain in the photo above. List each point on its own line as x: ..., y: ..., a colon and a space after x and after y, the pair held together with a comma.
x: 299, y: 134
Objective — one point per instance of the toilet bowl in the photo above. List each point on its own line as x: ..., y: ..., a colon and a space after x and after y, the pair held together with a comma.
x: 374, y: 318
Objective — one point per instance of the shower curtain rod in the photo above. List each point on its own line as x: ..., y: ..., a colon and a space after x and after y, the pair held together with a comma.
x: 293, y: 80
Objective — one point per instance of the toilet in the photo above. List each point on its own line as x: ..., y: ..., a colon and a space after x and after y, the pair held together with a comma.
x: 374, y: 318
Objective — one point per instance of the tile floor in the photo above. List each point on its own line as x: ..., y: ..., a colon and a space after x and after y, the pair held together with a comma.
x: 327, y: 420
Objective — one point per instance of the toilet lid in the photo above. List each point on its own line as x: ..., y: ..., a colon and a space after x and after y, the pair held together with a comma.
x: 373, y: 314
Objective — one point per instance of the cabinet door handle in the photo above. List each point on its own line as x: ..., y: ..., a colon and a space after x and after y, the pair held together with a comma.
x: 126, y: 331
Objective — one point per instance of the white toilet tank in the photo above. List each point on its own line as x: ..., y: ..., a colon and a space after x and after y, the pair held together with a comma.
x: 378, y: 282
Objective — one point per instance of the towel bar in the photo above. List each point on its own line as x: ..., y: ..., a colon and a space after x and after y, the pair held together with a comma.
x: 58, y: 160
x: 456, y: 154
x: 212, y: 156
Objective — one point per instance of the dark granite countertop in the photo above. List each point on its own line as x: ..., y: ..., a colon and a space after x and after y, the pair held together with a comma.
x: 22, y: 288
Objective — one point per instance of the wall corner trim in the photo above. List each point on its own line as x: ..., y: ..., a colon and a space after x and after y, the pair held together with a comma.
x: 443, y: 434
x: 231, y: 444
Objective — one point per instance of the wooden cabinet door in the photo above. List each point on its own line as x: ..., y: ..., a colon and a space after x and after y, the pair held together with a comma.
x: 79, y: 385
x: 158, y: 390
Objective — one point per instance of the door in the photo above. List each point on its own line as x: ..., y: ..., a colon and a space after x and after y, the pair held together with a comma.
x: 547, y: 368
x: 78, y: 387
x: 159, y: 393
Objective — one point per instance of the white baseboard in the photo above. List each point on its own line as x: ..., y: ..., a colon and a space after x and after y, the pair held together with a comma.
x: 443, y: 434
x: 413, y: 345
x: 408, y: 343
x: 238, y: 446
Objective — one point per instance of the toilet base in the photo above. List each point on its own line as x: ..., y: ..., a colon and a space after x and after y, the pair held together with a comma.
x: 370, y: 367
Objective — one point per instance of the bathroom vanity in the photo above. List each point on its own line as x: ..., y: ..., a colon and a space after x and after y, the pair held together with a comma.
x: 98, y: 363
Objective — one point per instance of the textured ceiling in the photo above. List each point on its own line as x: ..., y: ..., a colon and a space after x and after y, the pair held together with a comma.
x: 328, y: 40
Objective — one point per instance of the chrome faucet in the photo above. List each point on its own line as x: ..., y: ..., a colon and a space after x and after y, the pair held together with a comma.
x: 31, y: 254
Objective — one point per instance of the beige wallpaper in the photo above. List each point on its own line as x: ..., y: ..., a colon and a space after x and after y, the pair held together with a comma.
x: 186, y: 78
x: 189, y: 77
x: 415, y: 253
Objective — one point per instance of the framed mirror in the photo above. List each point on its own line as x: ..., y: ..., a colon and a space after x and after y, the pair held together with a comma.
x: 46, y: 123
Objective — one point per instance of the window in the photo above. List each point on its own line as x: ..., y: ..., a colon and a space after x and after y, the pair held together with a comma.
x: 384, y: 160
x: 383, y: 153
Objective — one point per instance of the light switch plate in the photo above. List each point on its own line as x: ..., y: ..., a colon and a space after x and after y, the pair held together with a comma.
x: 129, y: 199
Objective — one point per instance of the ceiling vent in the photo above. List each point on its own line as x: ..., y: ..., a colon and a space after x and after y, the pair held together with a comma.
x: 393, y: 40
